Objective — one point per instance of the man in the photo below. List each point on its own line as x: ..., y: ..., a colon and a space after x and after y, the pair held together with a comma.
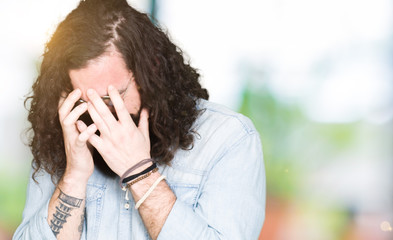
x: 114, y: 98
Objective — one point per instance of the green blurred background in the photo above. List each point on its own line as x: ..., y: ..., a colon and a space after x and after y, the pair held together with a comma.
x: 315, y: 76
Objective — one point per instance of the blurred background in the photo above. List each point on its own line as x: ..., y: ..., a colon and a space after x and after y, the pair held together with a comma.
x: 315, y: 76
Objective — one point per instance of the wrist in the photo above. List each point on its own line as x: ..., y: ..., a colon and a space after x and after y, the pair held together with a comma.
x: 136, y: 168
x: 73, y: 185
x: 144, y: 184
x: 75, y: 177
x: 140, y: 169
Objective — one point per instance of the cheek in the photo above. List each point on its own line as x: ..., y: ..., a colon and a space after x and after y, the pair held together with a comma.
x: 133, y: 104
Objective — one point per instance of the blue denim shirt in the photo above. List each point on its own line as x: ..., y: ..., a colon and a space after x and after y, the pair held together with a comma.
x: 219, y: 185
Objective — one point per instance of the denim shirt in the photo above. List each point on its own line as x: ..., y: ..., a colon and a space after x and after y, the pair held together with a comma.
x: 219, y: 185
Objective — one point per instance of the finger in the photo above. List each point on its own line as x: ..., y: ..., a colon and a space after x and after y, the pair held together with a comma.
x: 101, y: 107
x: 96, y: 142
x: 69, y: 103
x: 81, y: 126
x: 86, y: 134
x: 97, y: 119
x: 63, y: 96
x: 118, y: 103
x: 144, y: 123
x: 73, y: 116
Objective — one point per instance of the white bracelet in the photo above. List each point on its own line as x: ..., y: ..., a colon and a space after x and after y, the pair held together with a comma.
x: 139, y: 203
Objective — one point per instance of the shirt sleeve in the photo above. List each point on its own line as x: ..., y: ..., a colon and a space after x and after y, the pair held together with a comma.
x: 34, y: 220
x: 232, y: 202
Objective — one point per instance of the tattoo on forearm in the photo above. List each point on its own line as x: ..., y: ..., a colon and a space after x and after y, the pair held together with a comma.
x: 59, y: 218
x: 74, y: 202
x: 63, y: 211
x: 80, y: 228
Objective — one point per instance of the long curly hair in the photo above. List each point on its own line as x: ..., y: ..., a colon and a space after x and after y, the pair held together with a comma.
x: 169, y: 87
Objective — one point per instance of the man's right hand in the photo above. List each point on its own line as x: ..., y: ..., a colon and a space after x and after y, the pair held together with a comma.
x: 80, y: 163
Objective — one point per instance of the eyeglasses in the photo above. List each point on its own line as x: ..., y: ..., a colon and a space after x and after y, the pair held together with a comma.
x: 107, y: 99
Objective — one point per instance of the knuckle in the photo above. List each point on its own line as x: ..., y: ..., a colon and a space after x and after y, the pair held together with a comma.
x: 121, y: 106
x: 80, y: 140
x: 107, y: 114
x: 99, y: 123
x: 120, y: 132
x: 67, y: 122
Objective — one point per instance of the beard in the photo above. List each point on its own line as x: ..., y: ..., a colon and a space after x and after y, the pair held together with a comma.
x: 99, y: 161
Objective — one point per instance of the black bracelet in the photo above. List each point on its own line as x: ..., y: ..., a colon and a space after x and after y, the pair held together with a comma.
x: 132, y: 177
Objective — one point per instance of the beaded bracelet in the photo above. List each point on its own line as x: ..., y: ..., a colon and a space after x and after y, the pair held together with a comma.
x: 142, y: 177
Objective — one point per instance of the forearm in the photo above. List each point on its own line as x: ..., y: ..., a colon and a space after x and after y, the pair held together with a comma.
x: 66, y: 209
x: 156, y: 208
x: 159, y: 208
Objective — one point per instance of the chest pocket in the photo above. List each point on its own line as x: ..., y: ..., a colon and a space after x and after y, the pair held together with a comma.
x: 184, y: 180
x: 186, y: 193
x: 94, y: 206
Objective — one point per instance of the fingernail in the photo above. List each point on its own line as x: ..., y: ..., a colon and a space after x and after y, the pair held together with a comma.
x: 89, y: 91
x: 77, y: 91
x: 110, y: 87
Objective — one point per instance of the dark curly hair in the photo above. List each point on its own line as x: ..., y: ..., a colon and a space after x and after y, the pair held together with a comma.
x: 169, y: 87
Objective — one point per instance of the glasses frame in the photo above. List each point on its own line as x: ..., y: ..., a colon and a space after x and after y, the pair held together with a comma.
x: 107, y: 98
